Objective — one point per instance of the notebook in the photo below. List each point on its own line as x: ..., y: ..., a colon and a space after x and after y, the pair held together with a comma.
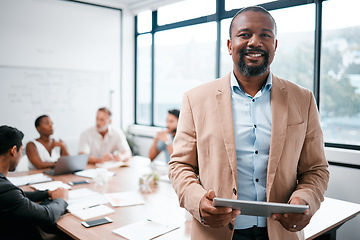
x: 51, y: 186
x: 69, y: 164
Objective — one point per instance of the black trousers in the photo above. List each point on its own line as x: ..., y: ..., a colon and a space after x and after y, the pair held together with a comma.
x: 254, y: 233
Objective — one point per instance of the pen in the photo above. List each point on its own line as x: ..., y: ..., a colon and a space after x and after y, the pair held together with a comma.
x: 91, y: 206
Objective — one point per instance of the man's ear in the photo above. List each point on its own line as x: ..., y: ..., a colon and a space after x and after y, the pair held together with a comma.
x: 13, y: 151
x: 229, y: 46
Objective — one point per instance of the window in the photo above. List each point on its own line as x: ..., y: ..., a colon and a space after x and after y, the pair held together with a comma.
x: 189, y: 50
x: 294, y: 58
x: 340, y: 72
x: 189, y: 9
x: 226, y: 63
x: 144, y: 21
x: 184, y: 58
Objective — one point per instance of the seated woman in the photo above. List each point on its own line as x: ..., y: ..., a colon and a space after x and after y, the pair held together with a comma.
x: 44, y: 151
x: 164, y: 140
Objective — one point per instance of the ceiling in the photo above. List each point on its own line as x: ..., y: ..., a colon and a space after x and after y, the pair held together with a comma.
x: 133, y: 5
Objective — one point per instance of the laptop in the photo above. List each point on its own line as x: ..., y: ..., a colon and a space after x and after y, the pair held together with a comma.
x: 69, y: 164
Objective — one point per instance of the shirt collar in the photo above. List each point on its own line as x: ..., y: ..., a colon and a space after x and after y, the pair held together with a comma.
x: 235, y: 84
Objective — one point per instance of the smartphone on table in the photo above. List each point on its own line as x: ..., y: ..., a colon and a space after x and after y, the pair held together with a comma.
x: 97, y: 222
x: 79, y: 182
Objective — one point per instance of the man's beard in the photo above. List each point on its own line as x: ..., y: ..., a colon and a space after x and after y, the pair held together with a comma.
x: 249, y: 71
x: 103, y: 128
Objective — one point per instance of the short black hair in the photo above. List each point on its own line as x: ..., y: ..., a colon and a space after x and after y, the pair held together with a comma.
x: 106, y: 110
x: 38, y: 119
x: 175, y: 112
x: 10, y: 137
x: 253, y: 9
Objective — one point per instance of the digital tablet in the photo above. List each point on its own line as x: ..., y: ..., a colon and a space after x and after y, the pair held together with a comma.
x: 263, y: 209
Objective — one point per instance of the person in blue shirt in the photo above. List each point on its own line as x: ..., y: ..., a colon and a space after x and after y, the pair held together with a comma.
x: 164, y: 139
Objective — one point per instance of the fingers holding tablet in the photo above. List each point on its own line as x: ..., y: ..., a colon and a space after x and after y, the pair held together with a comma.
x: 215, y: 216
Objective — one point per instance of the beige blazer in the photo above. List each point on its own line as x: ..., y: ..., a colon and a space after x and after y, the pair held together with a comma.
x: 204, y: 154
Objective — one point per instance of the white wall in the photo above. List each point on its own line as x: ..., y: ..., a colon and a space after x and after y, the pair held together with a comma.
x: 127, y: 84
x: 128, y: 69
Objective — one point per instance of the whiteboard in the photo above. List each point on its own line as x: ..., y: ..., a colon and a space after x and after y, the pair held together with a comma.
x: 59, y: 58
x: 69, y: 97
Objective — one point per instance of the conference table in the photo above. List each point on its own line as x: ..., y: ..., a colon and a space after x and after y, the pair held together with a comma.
x: 333, y: 213
x: 162, y: 205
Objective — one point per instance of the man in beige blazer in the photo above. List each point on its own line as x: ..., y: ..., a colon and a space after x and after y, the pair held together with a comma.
x: 205, y: 162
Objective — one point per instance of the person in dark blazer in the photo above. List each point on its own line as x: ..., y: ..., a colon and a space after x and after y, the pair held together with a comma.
x: 20, y: 216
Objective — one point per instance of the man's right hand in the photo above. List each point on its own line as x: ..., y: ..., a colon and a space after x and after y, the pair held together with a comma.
x: 216, y: 216
x: 59, y: 193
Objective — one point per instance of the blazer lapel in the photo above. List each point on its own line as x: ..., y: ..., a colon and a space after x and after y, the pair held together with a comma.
x: 224, y: 110
x: 279, y: 108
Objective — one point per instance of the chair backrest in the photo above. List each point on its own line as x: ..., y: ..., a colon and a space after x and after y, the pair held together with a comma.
x: 23, y: 164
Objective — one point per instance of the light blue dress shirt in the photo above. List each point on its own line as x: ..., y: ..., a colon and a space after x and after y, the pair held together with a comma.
x: 252, y: 126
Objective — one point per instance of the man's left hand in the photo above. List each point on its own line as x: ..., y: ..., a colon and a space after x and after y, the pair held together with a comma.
x: 294, y: 222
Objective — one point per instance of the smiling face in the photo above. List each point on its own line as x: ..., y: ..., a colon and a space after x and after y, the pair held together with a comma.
x: 252, y: 44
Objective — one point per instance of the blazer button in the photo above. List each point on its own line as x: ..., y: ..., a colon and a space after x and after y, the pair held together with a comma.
x: 231, y: 226
x: 234, y: 191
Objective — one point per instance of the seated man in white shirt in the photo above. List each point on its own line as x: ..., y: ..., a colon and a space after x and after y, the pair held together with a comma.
x: 103, y: 142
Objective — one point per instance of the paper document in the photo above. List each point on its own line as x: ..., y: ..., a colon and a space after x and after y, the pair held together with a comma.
x: 145, y: 229
x: 84, y: 198
x: 112, y: 164
x: 122, y: 199
x: 92, y: 212
x: 50, y: 185
x: 30, y: 179
x: 91, y: 173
